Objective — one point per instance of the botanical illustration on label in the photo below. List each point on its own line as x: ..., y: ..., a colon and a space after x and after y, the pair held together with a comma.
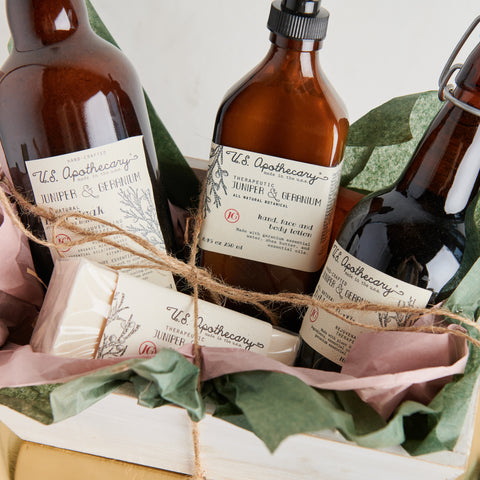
x: 110, y: 182
x: 145, y: 318
x: 345, y: 279
x: 268, y: 209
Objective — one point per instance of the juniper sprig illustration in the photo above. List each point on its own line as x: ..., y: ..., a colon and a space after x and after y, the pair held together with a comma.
x: 113, y: 345
x: 139, y: 210
x: 215, y: 179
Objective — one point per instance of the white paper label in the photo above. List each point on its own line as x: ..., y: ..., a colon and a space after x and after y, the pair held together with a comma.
x: 110, y: 182
x: 345, y: 279
x: 145, y: 318
x: 268, y: 209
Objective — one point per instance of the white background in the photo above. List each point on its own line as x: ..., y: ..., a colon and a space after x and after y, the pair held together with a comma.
x: 189, y: 52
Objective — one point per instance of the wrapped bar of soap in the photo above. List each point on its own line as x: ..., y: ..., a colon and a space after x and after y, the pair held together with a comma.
x: 91, y: 311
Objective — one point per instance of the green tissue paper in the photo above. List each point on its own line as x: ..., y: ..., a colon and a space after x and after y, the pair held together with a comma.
x: 380, y: 144
x: 166, y: 378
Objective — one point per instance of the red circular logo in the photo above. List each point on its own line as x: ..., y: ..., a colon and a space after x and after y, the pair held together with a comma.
x: 314, y: 315
x: 232, y: 216
x: 147, y: 348
x: 62, y: 238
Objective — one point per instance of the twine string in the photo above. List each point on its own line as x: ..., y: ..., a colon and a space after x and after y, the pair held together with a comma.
x: 200, y: 278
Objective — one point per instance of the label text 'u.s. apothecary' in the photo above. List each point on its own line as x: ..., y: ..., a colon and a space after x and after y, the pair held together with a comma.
x: 268, y: 209
x: 345, y: 279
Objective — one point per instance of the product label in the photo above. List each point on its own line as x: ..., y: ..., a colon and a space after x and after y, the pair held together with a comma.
x: 111, y: 183
x: 268, y: 209
x: 145, y: 318
x: 347, y: 280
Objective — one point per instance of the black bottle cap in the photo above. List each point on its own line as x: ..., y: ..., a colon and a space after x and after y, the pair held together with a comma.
x: 298, y: 19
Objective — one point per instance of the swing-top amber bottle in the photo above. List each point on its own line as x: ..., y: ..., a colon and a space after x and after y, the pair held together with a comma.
x: 275, y: 164
x: 404, y: 246
x: 67, y: 98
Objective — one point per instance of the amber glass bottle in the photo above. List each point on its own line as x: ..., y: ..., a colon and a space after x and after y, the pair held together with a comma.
x: 275, y: 164
x: 404, y: 246
x: 75, y: 130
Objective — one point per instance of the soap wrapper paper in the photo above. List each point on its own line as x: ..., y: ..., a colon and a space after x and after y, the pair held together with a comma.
x: 91, y: 311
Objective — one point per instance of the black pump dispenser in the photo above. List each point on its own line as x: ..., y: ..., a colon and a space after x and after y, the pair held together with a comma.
x: 298, y: 19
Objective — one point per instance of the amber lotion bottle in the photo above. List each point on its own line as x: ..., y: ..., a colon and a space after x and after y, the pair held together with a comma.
x: 404, y: 246
x: 75, y: 131
x: 275, y: 165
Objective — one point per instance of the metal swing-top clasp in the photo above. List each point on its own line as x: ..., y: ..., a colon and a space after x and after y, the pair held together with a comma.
x: 445, y: 92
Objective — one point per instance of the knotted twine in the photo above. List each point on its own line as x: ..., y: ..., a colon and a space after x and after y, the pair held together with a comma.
x: 198, y: 277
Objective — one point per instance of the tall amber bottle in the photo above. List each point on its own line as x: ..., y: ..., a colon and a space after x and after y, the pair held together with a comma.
x: 75, y: 130
x: 275, y: 165
x: 404, y: 246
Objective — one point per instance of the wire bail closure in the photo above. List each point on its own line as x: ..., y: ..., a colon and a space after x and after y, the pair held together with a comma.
x: 445, y: 91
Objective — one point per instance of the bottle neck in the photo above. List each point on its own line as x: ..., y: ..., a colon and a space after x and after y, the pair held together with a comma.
x: 295, y: 58
x: 295, y: 45
x: 445, y: 167
x: 38, y: 23
x: 468, y: 80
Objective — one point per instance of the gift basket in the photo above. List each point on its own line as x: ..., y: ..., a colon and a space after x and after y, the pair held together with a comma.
x: 152, y: 329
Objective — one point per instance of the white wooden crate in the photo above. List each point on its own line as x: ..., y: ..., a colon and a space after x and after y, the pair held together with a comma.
x: 116, y: 427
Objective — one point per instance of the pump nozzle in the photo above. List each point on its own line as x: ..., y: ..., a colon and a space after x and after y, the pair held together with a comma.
x: 301, y: 7
x: 298, y: 19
